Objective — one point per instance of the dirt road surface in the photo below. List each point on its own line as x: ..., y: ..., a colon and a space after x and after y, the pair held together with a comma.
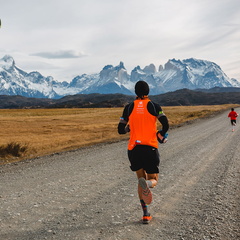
x: 92, y: 194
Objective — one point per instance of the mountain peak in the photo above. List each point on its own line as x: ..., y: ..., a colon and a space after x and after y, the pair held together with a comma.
x: 120, y: 66
x: 7, y: 58
x: 7, y: 62
x: 111, y: 67
x: 150, y: 69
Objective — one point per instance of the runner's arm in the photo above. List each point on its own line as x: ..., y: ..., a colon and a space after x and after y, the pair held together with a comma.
x: 162, y: 118
x: 157, y: 111
x: 165, y: 126
x: 123, y: 128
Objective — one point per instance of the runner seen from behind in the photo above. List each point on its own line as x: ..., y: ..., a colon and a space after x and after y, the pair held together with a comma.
x: 139, y: 118
x: 233, y: 118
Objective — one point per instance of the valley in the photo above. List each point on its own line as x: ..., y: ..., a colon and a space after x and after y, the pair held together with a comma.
x: 47, y: 131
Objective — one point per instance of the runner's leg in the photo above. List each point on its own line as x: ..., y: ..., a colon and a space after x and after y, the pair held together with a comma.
x: 153, y: 177
x: 146, y: 215
x: 140, y: 173
x: 143, y: 187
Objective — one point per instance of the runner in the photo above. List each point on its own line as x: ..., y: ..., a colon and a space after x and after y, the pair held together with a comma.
x: 140, y: 119
x: 233, y: 118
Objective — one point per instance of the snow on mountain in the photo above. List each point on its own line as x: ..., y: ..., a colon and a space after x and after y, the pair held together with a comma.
x: 6, y: 63
x: 111, y: 80
x: 234, y: 82
x: 176, y: 74
x: 14, y: 81
x: 192, y: 74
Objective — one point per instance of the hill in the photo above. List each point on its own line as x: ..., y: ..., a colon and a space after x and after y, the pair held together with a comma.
x: 183, y: 97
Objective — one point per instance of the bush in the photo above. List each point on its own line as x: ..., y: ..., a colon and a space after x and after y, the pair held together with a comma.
x: 13, y: 149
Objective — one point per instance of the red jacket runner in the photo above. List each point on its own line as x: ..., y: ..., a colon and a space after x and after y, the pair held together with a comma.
x: 233, y: 115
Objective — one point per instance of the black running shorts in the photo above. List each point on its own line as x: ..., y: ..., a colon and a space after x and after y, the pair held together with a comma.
x: 145, y: 157
x: 233, y: 122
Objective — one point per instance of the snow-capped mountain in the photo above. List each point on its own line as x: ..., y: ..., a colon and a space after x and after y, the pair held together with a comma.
x: 14, y: 81
x: 192, y: 74
x: 112, y: 80
x: 175, y: 74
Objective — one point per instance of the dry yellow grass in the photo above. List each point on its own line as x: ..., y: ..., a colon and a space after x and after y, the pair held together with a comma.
x: 46, y: 131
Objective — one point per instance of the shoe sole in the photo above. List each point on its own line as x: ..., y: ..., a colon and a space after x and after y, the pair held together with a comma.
x: 146, y: 192
x: 146, y: 219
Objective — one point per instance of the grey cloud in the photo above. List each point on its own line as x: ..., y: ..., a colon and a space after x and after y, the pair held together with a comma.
x: 59, y: 54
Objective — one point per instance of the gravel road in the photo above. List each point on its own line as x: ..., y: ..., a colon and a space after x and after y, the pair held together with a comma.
x: 92, y: 194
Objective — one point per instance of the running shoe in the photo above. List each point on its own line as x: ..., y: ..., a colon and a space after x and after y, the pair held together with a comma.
x: 146, y: 219
x: 146, y: 192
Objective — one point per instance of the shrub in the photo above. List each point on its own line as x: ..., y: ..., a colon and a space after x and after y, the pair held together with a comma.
x: 13, y: 149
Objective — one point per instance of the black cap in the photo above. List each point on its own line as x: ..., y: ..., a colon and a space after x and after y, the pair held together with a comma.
x: 141, y: 88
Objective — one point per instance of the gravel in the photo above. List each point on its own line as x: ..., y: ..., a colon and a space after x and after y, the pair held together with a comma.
x: 91, y: 193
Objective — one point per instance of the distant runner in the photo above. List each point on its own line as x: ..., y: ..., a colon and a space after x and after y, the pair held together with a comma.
x: 233, y: 118
x: 141, y: 117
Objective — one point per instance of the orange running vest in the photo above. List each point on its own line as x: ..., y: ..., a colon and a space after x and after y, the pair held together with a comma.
x: 143, y: 126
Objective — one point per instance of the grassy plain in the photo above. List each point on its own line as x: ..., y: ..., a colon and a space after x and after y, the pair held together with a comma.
x: 28, y: 133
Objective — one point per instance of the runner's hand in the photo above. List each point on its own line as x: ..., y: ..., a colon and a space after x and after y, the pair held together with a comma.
x: 127, y: 129
x: 162, y: 139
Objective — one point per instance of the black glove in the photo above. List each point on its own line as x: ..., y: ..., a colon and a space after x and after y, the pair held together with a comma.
x: 127, y: 129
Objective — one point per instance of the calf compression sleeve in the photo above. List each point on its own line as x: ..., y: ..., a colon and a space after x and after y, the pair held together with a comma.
x: 144, y: 208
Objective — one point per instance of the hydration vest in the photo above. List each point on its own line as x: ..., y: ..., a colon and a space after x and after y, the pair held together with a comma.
x: 143, y: 125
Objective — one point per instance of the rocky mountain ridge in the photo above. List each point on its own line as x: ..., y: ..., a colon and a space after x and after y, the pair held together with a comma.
x: 174, y: 75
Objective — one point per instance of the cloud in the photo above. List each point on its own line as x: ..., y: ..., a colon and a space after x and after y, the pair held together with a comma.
x: 60, y: 54
x: 137, y: 32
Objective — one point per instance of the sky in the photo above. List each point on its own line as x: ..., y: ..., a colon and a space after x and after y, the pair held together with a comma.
x: 66, y: 38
